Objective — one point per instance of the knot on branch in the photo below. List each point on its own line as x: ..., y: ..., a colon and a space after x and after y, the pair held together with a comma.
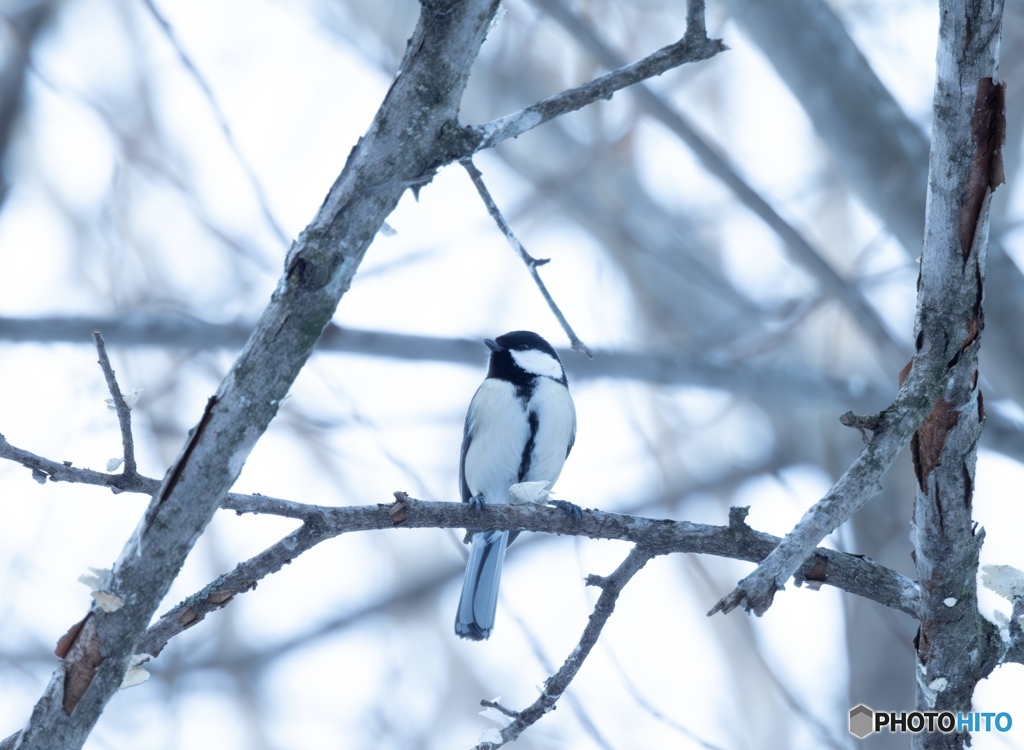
x: 398, y: 511
x: 738, y: 518
x: 596, y: 580
x: 498, y: 707
x: 814, y: 573
x: 863, y: 423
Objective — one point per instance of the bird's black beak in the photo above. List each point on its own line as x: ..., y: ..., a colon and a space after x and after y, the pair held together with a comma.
x: 493, y: 345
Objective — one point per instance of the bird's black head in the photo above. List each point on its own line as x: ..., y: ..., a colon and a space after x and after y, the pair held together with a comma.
x: 522, y: 356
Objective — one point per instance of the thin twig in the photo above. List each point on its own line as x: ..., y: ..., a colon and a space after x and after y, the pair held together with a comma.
x: 532, y: 264
x: 124, y: 412
x: 558, y: 683
x: 222, y: 123
x: 725, y: 171
x: 693, y: 47
x: 696, y: 26
x: 858, y: 484
x: 498, y: 707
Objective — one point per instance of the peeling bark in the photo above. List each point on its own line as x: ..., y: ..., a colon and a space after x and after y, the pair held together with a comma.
x: 988, y: 130
x: 956, y: 646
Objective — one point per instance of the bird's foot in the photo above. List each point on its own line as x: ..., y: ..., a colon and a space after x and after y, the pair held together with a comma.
x: 571, y: 508
x: 476, y: 503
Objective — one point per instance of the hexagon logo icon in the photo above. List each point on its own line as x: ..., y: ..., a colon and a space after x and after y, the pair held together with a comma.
x: 862, y: 721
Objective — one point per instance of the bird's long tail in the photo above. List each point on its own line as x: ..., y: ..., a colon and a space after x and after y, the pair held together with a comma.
x: 479, y: 602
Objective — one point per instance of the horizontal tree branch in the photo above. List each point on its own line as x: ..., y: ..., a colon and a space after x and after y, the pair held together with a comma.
x: 662, y: 367
x: 320, y: 523
x: 851, y: 573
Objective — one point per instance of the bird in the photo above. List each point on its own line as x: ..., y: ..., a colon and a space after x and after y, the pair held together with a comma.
x: 520, y: 427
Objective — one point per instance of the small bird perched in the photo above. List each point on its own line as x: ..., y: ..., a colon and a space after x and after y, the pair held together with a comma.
x: 520, y: 427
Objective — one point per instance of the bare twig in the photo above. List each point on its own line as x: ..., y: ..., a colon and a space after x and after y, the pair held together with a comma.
x: 532, y: 264
x: 23, y: 22
x: 716, y: 163
x: 653, y: 366
x: 695, y: 23
x: 221, y: 591
x: 861, y: 482
x: 557, y: 684
x: 693, y: 47
x: 218, y: 114
x: 124, y: 412
x: 498, y: 707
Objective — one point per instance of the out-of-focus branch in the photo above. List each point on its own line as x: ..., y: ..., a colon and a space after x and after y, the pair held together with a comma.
x: 717, y: 164
x: 532, y: 264
x: 668, y: 368
x: 792, y: 386
x: 261, y: 197
x: 878, y: 150
x: 21, y: 24
x: 557, y: 684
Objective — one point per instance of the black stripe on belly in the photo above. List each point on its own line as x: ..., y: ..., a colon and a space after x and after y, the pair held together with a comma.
x: 524, y: 462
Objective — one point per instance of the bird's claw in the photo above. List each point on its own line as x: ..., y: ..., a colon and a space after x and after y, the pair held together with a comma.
x: 476, y: 503
x: 571, y: 508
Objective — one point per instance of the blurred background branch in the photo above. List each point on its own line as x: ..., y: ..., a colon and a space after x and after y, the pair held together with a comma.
x: 743, y: 280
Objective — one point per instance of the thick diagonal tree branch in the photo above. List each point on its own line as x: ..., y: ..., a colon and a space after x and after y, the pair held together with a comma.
x: 956, y: 646
x: 408, y: 138
x: 861, y: 482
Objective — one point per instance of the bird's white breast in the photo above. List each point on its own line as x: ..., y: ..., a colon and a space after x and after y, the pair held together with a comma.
x: 501, y: 429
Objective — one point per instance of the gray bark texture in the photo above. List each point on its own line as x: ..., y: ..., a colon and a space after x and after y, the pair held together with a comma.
x: 399, y: 150
x: 956, y: 646
x: 703, y: 324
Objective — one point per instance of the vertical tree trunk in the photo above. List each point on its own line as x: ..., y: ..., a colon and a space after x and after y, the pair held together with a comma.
x: 955, y: 644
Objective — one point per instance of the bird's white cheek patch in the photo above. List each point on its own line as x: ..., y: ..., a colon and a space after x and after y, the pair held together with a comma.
x: 538, y: 363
